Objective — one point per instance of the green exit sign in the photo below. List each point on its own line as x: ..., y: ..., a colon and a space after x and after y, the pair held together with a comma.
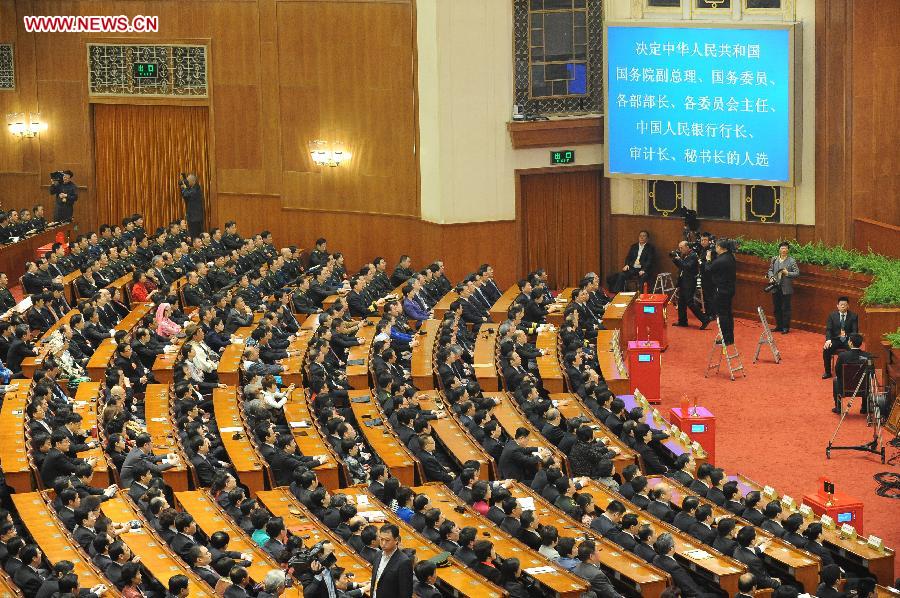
x: 146, y: 70
x: 562, y: 157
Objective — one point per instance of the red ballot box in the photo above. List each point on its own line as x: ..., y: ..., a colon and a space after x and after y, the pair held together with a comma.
x: 843, y: 508
x: 700, y: 425
x: 650, y: 319
x: 644, y: 368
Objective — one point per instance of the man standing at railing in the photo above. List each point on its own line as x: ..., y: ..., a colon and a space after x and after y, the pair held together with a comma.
x: 192, y: 194
x: 65, y: 192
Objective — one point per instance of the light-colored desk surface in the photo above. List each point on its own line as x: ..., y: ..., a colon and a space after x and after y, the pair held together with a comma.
x: 558, y: 581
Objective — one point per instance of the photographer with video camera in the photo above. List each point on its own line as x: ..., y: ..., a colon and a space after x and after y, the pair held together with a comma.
x: 852, y: 356
x: 192, y: 194
x: 688, y: 267
x: 312, y: 568
x: 65, y: 192
x: 722, y: 268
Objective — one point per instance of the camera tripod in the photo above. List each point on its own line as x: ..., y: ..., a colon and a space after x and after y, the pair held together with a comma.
x: 868, y: 378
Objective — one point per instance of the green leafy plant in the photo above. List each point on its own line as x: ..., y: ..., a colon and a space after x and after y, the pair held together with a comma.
x: 893, y: 338
x: 885, y: 286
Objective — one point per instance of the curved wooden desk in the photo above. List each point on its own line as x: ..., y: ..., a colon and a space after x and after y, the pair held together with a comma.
x: 621, y: 565
x: 455, y: 439
x: 55, y: 541
x: 241, y: 452
x: 155, y: 554
x: 13, y: 445
x: 559, y: 582
x: 717, y: 568
x: 382, y: 439
x: 309, y: 438
x: 485, y: 358
x: 422, y: 362
x: 455, y: 579
x: 160, y: 426
x: 549, y: 367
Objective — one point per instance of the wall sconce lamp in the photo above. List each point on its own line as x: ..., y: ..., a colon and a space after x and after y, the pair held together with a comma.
x: 24, y: 125
x: 326, y: 153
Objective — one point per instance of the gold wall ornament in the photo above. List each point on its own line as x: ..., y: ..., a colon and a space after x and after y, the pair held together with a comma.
x: 776, y: 196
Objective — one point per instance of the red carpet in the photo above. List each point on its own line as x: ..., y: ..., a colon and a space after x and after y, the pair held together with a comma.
x: 773, y: 425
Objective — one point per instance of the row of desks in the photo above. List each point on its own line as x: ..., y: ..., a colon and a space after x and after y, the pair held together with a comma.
x: 13, y: 444
x: 799, y: 564
x: 857, y: 553
x: 381, y: 437
x: 556, y: 580
x: 159, y: 417
x: 156, y: 556
x: 455, y: 578
x: 621, y: 566
x: 55, y: 541
x: 211, y: 519
x: 241, y: 451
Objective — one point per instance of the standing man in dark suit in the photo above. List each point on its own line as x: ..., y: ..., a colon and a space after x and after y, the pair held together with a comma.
x: 688, y: 268
x: 65, y: 192
x: 392, y: 571
x: 838, y: 328
x: 519, y: 462
x: 723, y: 270
x: 852, y: 356
x: 638, y: 264
x: 194, y: 211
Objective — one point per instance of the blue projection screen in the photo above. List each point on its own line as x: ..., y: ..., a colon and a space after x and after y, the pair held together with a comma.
x: 700, y: 102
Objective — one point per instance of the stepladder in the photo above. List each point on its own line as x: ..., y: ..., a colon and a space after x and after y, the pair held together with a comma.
x: 766, y: 338
x: 664, y: 284
x: 732, y: 359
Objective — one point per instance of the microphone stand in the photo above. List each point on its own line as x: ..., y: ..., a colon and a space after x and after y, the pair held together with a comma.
x: 868, y: 375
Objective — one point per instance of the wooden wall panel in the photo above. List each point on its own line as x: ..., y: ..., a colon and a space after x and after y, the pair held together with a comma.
x: 857, y: 132
x: 347, y: 73
x: 878, y: 236
x: 875, y: 126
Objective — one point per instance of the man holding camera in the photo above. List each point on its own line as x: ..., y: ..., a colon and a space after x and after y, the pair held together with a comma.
x: 688, y: 266
x: 192, y: 194
x: 782, y: 270
x: 65, y: 192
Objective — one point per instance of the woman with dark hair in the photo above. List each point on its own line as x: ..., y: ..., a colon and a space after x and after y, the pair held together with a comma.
x: 511, y: 581
x: 481, y: 494
x: 130, y: 580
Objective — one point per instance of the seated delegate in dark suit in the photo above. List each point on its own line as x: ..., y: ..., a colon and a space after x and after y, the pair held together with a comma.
x: 852, y: 356
x: 638, y: 264
x: 838, y: 328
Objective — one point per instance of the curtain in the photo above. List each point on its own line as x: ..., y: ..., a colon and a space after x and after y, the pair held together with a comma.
x: 561, y: 214
x: 139, y: 152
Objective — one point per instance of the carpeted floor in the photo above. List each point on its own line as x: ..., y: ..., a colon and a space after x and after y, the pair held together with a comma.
x: 773, y: 425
